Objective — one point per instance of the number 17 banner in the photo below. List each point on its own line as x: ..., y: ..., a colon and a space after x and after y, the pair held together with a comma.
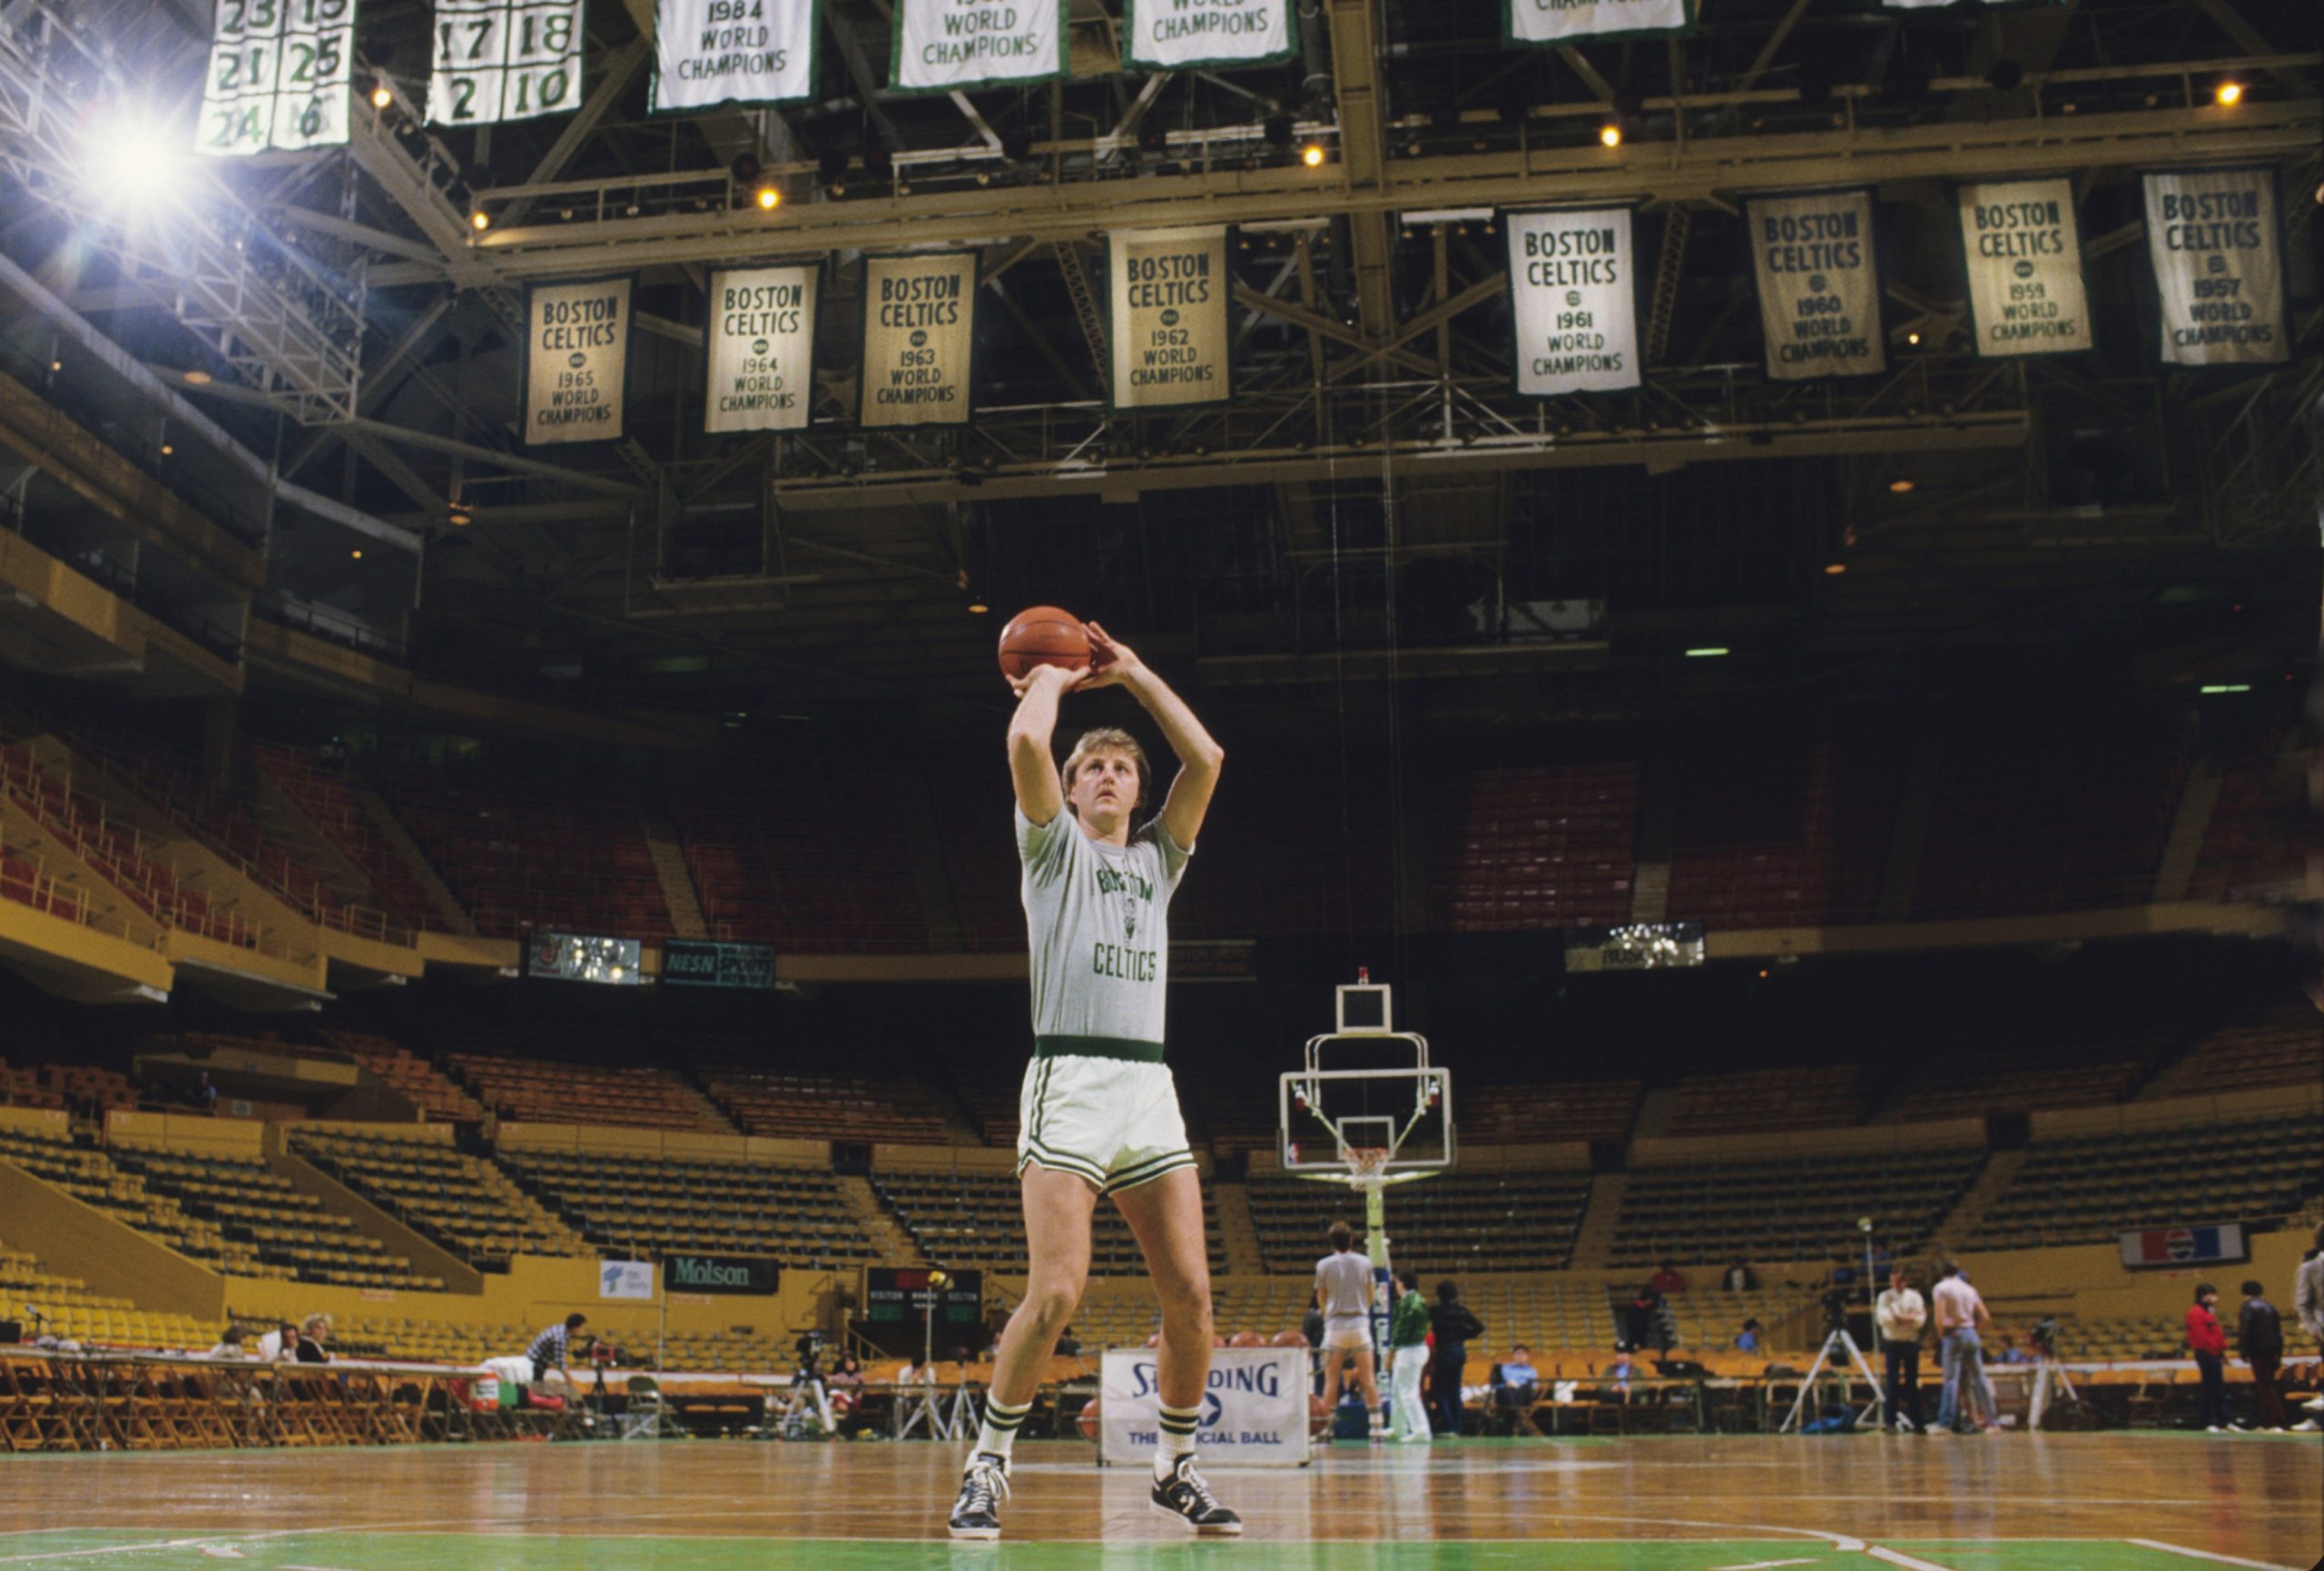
x: 505, y: 60
x: 280, y: 71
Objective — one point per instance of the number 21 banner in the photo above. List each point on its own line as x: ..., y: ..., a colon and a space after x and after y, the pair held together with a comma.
x: 505, y: 60
x: 279, y: 72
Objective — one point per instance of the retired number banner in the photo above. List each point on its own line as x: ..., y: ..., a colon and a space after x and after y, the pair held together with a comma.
x: 2023, y: 247
x: 1563, y: 20
x: 710, y: 52
x: 951, y: 45
x: 279, y: 72
x: 919, y: 336
x: 2216, y: 241
x: 1190, y: 34
x: 760, y: 347
x: 1167, y: 318
x: 1820, y: 285
x: 1573, y: 301
x: 577, y: 360
x: 505, y: 60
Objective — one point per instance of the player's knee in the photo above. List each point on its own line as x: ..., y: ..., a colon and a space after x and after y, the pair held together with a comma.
x: 1051, y: 1303
x: 1187, y: 1309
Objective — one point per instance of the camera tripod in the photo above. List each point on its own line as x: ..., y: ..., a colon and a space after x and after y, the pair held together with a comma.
x: 1838, y: 1344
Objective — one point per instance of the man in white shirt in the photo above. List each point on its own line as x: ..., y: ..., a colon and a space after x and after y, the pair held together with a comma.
x: 1961, y: 1314
x: 1344, y: 1292
x: 1900, y: 1314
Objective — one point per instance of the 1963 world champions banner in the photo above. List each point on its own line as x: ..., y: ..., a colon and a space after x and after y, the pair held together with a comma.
x: 919, y: 338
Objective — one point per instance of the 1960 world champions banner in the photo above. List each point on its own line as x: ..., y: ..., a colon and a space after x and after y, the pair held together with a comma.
x: 1812, y: 257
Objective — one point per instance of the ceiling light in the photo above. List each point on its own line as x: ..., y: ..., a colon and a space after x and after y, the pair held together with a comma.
x: 1912, y: 337
x: 1900, y: 484
x: 1707, y: 652
x: 381, y: 97
x: 460, y: 517
x: 167, y: 449
x: 768, y: 197
x: 977, y: 607
x: 198, y: 378
x: 2226, y: 687
x: 2229, y: 94
x: 1610, y: 134
x: 357, y: 554
x: 1833, y: 570
x: 479, y: 220
x: 1311, y: 155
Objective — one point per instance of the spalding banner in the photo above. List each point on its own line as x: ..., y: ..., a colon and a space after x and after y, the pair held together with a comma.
x: 577, y: 360
x: 1563, y: 20
x: 1200, y: 34
x: 708, y: 52
x: 759, y: 346
x: 2217, y: 246
x: 918, y: 334
x: 1254, y: 1412
x: 1167, y: 318
x: 1820, y: 285
x: 2024, y: 248
x: 952, y: 45
x: 1573, y: 301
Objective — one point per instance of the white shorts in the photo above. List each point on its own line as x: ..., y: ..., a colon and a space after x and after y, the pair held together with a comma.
x: 1347, y: 1336
x: 1114, y: 1121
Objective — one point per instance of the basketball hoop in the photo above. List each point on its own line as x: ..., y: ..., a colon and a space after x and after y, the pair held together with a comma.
x: 1367, y: 1165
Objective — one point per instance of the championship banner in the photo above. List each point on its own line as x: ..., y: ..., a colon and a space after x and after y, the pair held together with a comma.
x: 2216, y: 241
x: 505, y: 60
x: 1167, y: 318
x: 955, y: 45
x: 1201, y: 35
x: 1254, y: 1411
x: 577, y: 360
x: 280, y: 71
x: 1573, y: 301
x: 712, y: 51
x: 760, y: 348
x: 2023, y: 247
x: 1564, y: 21
x: 919, y: 336
x: 1819, y: 284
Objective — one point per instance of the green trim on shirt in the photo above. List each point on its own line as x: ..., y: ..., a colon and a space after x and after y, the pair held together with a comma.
x: 1098, y: 1047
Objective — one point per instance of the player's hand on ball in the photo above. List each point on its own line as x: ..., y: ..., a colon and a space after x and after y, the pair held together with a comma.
x: 1065, y: 679
x: 1111, y: 660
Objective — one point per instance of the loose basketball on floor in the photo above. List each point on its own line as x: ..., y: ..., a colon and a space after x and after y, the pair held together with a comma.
x: 1042, y: 636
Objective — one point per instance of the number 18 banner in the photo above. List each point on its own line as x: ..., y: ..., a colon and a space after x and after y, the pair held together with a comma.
x: 505, y: 60
x: 280, y: 71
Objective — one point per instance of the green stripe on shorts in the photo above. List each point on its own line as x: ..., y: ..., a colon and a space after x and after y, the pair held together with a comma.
x: 1146, y: 1171
x: 1121, y: 1047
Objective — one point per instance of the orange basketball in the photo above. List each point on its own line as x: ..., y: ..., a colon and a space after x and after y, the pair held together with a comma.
x: 1042, y: 636
x: 1319, y: 1417
x: 1292, y: 1338
x: 1088, y: 1420
x: 1246, y: 1340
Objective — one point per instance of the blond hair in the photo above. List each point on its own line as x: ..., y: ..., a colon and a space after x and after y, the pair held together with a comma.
x: 1110, y: 738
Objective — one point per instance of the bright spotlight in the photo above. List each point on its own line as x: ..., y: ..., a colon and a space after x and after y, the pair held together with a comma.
x: 480, y: 221
x: 2231, y: 93
x: 768, y: 198
x: 129, y: 160
x: 381, y: 97
x: 1611, y: 133
x: 1311, y: 155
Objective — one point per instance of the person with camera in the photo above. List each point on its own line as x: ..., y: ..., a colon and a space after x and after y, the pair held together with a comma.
x: 1900, y: 1314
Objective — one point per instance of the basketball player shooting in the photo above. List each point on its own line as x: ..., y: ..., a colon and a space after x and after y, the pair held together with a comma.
x: 1098, y: 1115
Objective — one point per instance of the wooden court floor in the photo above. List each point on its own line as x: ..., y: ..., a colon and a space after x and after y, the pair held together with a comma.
x: 2111, y: 1502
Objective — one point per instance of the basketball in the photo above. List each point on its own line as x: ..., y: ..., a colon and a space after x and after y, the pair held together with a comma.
x: 1042, y: 636
x: 1246, y: 1340
x: 1291, y: 1339
x: 1086, y: 1420
x: 1319, y: 1417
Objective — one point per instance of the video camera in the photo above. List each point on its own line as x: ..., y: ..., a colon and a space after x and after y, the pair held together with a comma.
x: 810, y: 1349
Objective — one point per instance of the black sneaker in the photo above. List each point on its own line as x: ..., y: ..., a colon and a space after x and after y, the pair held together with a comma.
x: 1184, y: 1495
x: 983, y: 1487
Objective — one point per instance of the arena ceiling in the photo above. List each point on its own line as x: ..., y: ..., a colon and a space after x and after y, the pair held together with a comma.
x: 1374, y: 487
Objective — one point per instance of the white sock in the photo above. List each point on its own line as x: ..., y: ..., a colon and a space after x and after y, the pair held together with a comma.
x: 998, y: 1433
x: 1176, y: 1439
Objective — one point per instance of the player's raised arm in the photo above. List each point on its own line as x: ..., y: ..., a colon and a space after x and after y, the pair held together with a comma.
x: 1200, y: 757
x: 1031, y: 766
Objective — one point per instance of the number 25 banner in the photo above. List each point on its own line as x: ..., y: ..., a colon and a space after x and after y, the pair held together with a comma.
x: 279, y: 72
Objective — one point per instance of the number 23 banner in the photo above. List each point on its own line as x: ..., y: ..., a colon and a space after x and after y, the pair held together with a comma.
x: 279, y: 72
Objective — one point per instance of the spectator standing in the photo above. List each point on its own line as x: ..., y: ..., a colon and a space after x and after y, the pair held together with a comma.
x: 1739, y: 1278
x: 1667, y: 1279
x: 1961, y: 1313
x: 1900, y: 1314
x: 2259, y: 1333
x: 1407, y: 1361
x: 1638, y: 1316
x: 1454, y: 1328
x: 2207, y: 1339
x: 2307, y: 1300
